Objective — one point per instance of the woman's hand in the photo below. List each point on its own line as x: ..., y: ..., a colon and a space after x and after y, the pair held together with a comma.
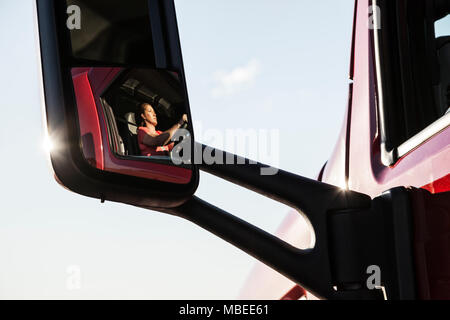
x: 163, y: 139
x: 183, y: 120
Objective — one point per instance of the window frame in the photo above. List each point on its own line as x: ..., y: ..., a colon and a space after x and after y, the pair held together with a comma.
x: 386, y: 78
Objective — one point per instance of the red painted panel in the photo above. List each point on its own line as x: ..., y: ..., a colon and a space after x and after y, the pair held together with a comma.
x: 295, y: 293
x: 438, y: 186
x: 427, y: 165
x: 97, y: 77
x: 103, y: 77
x: 89, y: 122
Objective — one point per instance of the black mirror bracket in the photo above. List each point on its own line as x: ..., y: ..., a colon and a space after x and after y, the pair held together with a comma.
x: 363, y: 247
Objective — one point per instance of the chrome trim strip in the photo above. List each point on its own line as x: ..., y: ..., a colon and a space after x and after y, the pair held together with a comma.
x: 427, y: 133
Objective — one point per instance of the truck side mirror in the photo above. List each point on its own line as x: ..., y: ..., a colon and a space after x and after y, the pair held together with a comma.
x: 113, y: 75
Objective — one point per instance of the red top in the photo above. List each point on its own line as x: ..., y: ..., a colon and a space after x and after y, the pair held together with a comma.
x: 154, y: 150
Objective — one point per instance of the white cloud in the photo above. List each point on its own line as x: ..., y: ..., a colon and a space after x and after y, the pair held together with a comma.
x: 231, y: 82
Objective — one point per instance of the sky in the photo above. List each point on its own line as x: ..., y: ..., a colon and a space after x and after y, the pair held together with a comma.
x: 254, y: 64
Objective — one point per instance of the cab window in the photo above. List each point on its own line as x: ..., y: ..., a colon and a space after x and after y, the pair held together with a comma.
x: 412, y: 48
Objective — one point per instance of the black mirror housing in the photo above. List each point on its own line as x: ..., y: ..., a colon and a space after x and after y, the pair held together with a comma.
x: 64, y: 119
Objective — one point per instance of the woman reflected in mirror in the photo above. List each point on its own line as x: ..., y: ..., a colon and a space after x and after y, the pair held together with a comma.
x: 151, y: 141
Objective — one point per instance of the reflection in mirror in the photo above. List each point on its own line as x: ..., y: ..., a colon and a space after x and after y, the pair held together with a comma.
x: 113, y: 31
x: 129, y: 118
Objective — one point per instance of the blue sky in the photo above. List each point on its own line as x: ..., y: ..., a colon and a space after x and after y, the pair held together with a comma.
x: 249, y: 64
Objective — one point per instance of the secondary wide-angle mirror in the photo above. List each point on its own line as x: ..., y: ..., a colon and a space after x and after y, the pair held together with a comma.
x: 116, y: 102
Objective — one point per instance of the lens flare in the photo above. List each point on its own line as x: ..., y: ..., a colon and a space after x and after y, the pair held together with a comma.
x: 48, y: 144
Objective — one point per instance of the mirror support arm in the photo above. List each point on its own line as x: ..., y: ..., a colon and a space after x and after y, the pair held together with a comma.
x: 352, y: 232
x: 309, y: 268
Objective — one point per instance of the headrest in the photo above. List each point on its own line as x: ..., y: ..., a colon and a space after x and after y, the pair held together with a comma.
x: 131, y: 119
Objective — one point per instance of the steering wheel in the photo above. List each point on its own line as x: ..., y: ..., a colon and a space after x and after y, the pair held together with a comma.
x: 184, y: 125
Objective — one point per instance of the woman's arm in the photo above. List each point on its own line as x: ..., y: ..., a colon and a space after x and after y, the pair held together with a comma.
x: 153, y: 139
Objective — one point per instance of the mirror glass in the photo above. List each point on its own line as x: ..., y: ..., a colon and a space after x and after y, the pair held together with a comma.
x: 110, y: 31
x: 133, y: 121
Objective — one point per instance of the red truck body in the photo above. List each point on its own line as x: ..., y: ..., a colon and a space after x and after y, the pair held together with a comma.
x: 356, y: 163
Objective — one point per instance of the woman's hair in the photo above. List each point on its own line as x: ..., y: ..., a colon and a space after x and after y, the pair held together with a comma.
x: 142, y: 108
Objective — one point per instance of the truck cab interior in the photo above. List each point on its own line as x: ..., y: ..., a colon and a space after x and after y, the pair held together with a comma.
x: 122, y: 100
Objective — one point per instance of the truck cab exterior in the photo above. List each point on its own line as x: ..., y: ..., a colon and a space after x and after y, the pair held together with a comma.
x: 371, y: 156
